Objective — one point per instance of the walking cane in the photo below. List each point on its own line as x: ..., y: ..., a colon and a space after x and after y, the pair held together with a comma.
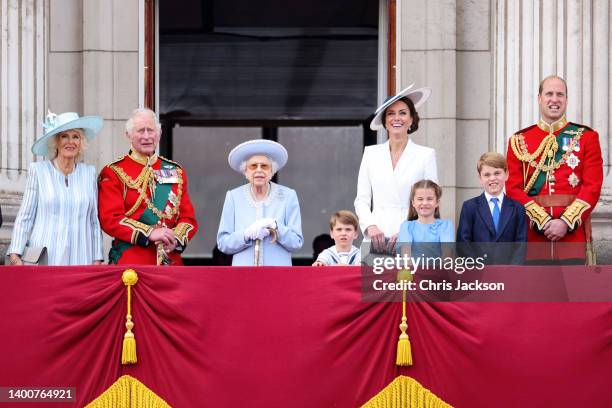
x: 256, y: 261
x: 257, y: 250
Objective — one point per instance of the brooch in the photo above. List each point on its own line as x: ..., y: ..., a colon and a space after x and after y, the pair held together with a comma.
x: 573, y: 180
x: 572, y: 161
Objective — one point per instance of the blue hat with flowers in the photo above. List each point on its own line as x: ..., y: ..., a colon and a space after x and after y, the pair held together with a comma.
x: 55, y: 124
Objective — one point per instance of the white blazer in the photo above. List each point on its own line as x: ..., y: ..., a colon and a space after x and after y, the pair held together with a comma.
x: 383, y: 192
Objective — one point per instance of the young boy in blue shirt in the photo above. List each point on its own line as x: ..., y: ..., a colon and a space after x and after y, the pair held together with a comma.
x: 343, y: 227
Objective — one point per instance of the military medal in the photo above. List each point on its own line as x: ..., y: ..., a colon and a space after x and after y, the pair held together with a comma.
x: 166, y: 176
x: 573, y: 161
x: 573, y: 180
x: 566, y: 142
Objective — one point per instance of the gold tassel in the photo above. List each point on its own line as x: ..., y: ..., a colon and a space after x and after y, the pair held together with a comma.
x: 128, y: 353
x: 404, y: 349
x: 590, y: 255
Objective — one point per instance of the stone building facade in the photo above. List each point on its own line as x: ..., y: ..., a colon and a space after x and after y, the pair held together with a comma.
x: 483, y: 60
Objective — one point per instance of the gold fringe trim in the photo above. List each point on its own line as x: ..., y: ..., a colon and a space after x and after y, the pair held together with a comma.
x: 128, y: 392
x: 128, y: 353
x: 405, y: 392
x: 404, y: 348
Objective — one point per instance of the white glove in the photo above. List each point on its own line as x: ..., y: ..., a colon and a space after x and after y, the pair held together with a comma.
x: 259, y: 229
x: 268, y: 222
x: 251, y: 232
x: 262, y: 233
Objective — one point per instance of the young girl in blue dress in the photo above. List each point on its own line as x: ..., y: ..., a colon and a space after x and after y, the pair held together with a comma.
x: 424, y: 224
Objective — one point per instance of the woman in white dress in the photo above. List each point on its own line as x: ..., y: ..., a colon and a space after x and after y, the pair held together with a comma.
x: 389, y: 170
x: 60, y: 205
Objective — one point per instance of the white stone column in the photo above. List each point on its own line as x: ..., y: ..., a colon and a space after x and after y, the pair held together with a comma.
x: 427, y: 40
x: 474, y: 100
x: 537, y: 38
x: 22, y: 93
x: 569, y: 38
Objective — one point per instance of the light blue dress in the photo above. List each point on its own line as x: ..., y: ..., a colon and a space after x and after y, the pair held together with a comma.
x: 240, y: 210
x: 60, y: 216
x: 422, y: 236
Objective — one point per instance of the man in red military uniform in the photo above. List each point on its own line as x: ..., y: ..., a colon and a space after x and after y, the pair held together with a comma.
x: 556, y: 172
x: 143, y: 201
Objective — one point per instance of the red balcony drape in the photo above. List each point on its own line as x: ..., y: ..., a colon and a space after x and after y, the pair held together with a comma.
x: 291, y: 337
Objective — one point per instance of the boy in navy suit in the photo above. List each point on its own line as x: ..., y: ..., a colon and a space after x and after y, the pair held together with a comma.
x: 492, y: 216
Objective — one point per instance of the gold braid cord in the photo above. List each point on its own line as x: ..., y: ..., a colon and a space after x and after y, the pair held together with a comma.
x: 403, y: 356
x: 144, y: 181
x: 573, y: 212
x: 537, y: 214
x: 546, y: 152
x: 405, y: 392
x: 128, y: 392
x: 128, y: 353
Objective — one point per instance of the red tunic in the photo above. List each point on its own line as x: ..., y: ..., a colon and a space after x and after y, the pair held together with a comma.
x: 571, y: 189
x: 120, y: 214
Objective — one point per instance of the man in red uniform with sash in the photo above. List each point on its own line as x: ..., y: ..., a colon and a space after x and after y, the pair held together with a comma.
x: 556, y: 172
x: 143, y: 200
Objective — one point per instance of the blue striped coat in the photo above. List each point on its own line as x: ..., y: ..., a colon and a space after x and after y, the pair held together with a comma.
x: 61, y: 213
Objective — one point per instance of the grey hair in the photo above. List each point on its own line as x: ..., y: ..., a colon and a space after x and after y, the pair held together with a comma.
x: 129, y: 125
x: 272, y: 163
x: 54, y: 142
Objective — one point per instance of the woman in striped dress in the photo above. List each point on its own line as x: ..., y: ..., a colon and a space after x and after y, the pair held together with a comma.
x: 60, y: 208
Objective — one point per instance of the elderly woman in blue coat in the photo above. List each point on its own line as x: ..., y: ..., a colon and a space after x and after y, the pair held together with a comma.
x: 261, y: 222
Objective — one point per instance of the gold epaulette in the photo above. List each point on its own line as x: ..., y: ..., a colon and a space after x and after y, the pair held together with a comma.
x: 537, y: 214
x: 117, y: 160
x: 573, y: 212
x: 111, y: 166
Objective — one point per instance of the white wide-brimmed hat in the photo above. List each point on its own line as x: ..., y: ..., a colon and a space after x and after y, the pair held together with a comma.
x: 55, y: 124
x: 417, y: 96
x: 258, y: 147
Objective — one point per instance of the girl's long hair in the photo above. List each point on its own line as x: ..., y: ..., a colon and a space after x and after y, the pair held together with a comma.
x: 424, y: 184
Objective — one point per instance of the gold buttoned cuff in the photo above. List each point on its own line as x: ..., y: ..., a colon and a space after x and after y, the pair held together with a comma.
x: 181, y: 231
x: 573, y: 213
x: 537, y: 214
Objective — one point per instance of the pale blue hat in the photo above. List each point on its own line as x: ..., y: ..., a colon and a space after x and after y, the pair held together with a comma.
x: 417, y: 96
x: 55, y: 124
x: 258, y: 147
